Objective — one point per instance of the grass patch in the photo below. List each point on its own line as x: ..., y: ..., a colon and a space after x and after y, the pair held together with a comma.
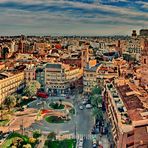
x: 3, y: 122
x: 56, y: 106
x: 67, y: 143
x: 55, y: 119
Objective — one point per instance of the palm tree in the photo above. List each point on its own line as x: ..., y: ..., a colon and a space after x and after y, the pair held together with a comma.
x: 97, y: 113
x: 96, y: 100
x: 96, y: 90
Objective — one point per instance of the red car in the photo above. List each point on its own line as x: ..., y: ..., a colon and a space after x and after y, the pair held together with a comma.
x: 42, y: 95
x: 67, y: 97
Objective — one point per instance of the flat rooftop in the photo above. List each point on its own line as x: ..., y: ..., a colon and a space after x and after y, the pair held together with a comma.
x: 131, y: 101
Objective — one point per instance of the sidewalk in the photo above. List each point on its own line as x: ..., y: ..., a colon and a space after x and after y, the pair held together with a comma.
x: 43, y: 138
x: 103, y: 141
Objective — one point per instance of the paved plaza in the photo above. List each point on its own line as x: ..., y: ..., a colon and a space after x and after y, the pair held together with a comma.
x: 79, y: 126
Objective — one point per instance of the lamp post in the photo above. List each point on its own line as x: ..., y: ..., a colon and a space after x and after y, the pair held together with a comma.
x: 75, y: 124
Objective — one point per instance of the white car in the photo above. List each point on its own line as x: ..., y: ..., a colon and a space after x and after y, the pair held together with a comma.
x: 81, y: 107
x: 88, y: 106
x: 39, y: 103
x: 84, y: 101
x: 80, y: 144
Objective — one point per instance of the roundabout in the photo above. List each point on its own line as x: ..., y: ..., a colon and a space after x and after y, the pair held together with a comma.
x: 58, y: 112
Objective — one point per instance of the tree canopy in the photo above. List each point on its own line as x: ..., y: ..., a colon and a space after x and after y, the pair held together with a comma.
x: 96, y: 90
x: 31, y: 88
x: 10, y: 101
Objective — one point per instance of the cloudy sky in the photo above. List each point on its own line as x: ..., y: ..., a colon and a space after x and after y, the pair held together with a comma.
x: 72, y: 17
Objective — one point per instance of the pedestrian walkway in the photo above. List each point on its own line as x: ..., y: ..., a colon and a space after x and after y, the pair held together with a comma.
x: 42, y: 141
x: 103, y: 140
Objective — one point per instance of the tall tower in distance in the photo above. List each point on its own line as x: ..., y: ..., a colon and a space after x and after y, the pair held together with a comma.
x: 144, y: 64
x: 84, y: 57
x: 134, y: 34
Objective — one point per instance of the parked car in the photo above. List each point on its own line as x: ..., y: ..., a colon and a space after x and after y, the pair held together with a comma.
x: 67, y: 97
x: 84, y: 102
x: 6, y: 135
x: 94, y: 145
x: 81, y: 107
x: 80, y: 143
x: 88, y: 106
x: 94, y: 142
x: 63, y: 95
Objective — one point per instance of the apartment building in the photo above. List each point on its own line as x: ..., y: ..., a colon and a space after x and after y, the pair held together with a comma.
x: 10, y: 83
x: 95, y: 74
x: 144, y: 65
x: 59, y: 77
x: 29, y: 72
x: 90, y: 76
x: 127, y: 112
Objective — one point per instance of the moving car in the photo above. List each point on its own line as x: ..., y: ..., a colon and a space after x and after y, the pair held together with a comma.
x: 88, y: 106
x: 80, y: 143
x: 85, y: 101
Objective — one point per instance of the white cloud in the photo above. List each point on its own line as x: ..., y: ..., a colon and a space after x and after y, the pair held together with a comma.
x: 118, y: 0
x: 68, y: 21
x: 144, y: 4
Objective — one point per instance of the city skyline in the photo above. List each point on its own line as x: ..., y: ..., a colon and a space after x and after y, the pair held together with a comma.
x: 72, y: 17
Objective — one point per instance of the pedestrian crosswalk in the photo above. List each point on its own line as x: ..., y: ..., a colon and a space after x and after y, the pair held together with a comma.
x: 83, y: 136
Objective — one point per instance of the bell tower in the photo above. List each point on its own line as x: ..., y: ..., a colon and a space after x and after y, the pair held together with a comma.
x: 144, y: 64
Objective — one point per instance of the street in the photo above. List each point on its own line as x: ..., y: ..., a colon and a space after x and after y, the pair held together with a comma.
x: 80, y: 124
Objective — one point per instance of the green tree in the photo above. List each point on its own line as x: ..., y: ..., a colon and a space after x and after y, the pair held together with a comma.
x: 36, y: 134
x: 96, y: 100
x: 18, y: 99
x: 31, y: 88
x: 36, y: 84
x: 5, y: 52
x: 97, y: 113
x: 96, y: 90
x: 10, y: 101
x: 51, y: 136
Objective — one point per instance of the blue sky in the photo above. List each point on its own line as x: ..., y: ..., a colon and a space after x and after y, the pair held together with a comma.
x: 76, y: 17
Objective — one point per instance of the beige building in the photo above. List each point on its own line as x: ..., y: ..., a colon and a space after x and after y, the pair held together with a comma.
x: 95, y: 74
x: 10, y: 83
x: 127, y: 111
x: 90, y: 77
x: 144, y: 65
x: 29, y: 73
x: 59, y: 77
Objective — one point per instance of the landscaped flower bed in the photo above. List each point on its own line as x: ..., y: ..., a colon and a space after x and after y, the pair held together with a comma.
x: 56, y: 119
x: 46, y: 111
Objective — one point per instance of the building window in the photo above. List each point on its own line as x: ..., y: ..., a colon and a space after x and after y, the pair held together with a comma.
x: 144, y: 61
x: 130, y: 134
x: 129, y: 145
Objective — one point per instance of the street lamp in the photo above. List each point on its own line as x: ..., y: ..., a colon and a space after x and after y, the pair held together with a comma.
x: 75, y: 128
